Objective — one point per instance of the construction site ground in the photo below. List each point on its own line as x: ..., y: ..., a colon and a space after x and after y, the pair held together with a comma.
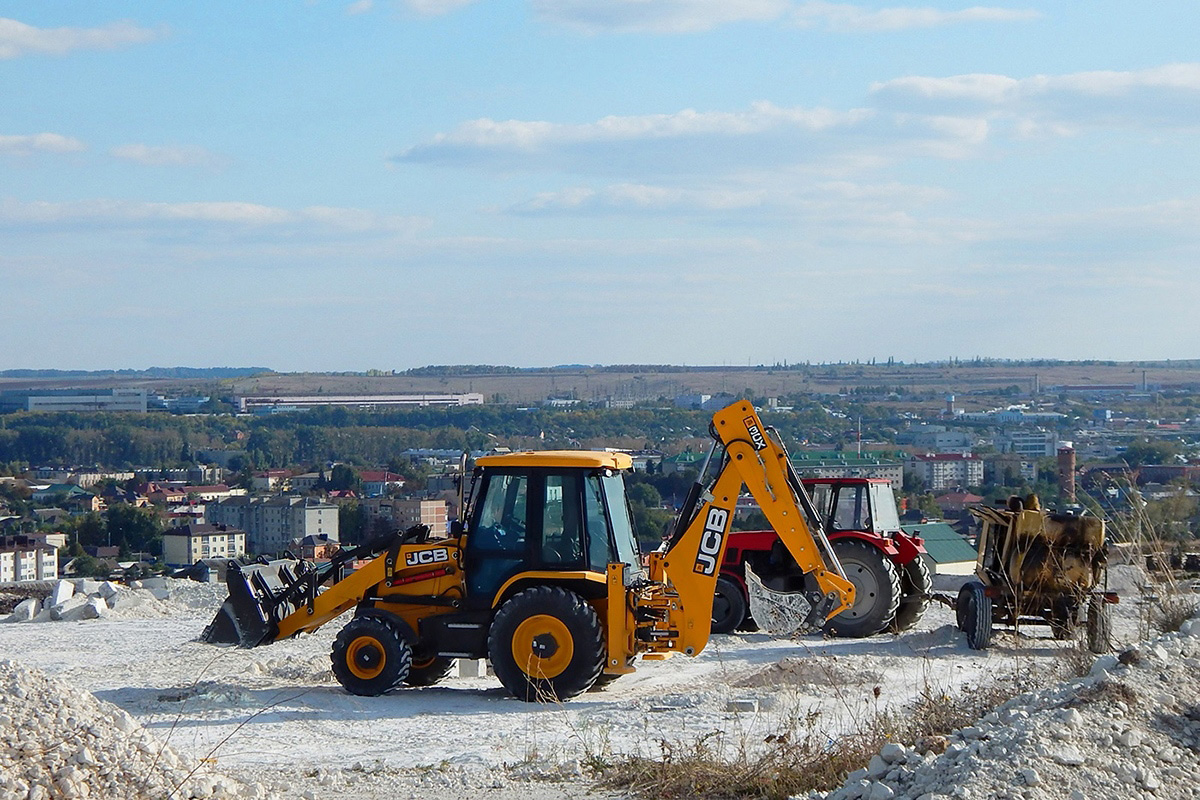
x: 274, y: 716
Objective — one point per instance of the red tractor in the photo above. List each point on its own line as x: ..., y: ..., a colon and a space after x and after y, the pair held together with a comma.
x: 891, y: 579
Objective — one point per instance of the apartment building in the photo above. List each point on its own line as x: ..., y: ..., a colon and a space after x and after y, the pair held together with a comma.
x: 188, y: 544
x: 24, y: 558
x: 273, y: 523
x: 947, y: 470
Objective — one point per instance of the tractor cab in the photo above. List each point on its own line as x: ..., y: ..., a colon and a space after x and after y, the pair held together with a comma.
x: 547, y: 512
x: 855, y: 504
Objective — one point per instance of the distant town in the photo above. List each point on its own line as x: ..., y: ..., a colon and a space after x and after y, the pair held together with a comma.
x: 125, y: 475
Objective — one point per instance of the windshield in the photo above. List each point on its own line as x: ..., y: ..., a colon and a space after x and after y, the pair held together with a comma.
x: 614, y: 493
x: 884, y: 504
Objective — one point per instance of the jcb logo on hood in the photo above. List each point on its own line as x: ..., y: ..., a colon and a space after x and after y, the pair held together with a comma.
x: 756, y: 435
x: 420, y: 557
x: 711, y: 540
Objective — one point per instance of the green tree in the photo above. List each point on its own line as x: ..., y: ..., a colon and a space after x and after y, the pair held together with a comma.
x: 342, y: 477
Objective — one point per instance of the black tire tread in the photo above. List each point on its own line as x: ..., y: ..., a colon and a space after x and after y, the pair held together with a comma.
x: 916, y: 583
x: 399, y: 659
x: 856, y: 551
x: 581, y: 620
x: 728, y: 589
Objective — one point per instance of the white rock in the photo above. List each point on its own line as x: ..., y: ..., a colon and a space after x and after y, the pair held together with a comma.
x: 1068, y: 757
x: 62, y: 610
x: 1130, y: 737
x: 1072, y: 718
x: 881, y: 791
x: 892, y: 752
x: 25, y: 610
x: 1030, y: 776
x: 60, y: 594
x: 877, y: 767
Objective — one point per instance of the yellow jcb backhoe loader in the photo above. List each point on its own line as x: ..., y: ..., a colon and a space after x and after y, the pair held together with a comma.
x: 542, y: 575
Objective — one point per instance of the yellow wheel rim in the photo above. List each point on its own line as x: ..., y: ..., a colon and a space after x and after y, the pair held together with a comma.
x: 365, y: 658
x: 542, y: 646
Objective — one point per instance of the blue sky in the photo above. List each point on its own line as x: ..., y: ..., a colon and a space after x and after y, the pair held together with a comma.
x: 350, y: 185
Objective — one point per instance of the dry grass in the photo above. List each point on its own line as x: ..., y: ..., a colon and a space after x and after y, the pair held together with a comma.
x: 805, y: 757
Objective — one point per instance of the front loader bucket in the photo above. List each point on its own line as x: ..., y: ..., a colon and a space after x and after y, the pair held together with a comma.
x: 248, y: 616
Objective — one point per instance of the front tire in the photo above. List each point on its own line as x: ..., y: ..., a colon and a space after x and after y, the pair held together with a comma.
x: 876, y: 589
x: 917, y: 585
x: 370, y: 656
x: 546, y: 644
x: 729, y: 606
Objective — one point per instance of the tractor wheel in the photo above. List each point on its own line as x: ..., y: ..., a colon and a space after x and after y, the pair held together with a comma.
x: 876, y: 589
x: 917, y: 585
x: 546, y: 644
x: 976, y: 614
x: 429, y: 671
x: 1099, y: 626
x: 729, y: 606
x: 370, y: 656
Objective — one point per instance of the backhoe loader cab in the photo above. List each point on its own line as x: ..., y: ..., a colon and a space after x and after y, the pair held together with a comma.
x: 542, y: 576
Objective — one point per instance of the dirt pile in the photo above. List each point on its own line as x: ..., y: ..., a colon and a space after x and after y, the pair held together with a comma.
x: 1129, y: 729
x: 59, y: 742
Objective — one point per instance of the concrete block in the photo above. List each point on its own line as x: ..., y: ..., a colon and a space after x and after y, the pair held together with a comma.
x: 86, y: 585
x: 472, y: 667
x: 25, y: 610
x: 61, y: 592
x: 743, y: 705
x: 154, y: 583
x: 108, y: 590
x: 64, y: 609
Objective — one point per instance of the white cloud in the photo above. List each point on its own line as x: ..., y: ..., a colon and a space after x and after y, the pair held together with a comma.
x: 39, y: 143
x: 18, y: 38
x: 655, y: 16
x: 1058, y: 104
x: 850, y: 18
x: 167, y: 156
x: 693, y: 16
x: 360, y: 7
x: 531, y: 136
x: 434, y: 8
x: 229, y: 213
x: 632, y: 197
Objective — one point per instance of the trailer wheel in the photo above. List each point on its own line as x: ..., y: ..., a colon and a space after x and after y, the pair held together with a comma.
x: 976, y: 608
x: 1099, y: 626
x: 917, y: 585
x: 876, y: 589
x: 546, y: 644
x: 370, y: 656
x: 429, y: 671
x: 1062, y: 618
x: 729, y: 606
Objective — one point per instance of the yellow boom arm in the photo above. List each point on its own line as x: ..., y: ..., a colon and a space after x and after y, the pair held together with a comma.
x: 692, y: 561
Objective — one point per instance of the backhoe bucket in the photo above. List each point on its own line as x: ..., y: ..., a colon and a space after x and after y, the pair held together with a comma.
x: 248, y: 616
x: 786, y: 613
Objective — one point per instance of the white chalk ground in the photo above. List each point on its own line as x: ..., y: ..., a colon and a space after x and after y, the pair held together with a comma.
x: 274, y: 715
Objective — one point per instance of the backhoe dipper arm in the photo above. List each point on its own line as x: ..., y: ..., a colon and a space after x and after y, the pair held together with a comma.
x: 693, y: 558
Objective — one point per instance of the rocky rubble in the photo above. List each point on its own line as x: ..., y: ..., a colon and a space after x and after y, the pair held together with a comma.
x: 1130, y: 728
x: 60, y: 742
x: 82, y: 598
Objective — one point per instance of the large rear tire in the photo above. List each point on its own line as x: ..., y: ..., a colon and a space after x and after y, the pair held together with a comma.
x: 976, y: 609
x: 876, y: 589
x: 546, y: 645
x: 729, y: 606
x: 370, y: 656
x: 917, y: 586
